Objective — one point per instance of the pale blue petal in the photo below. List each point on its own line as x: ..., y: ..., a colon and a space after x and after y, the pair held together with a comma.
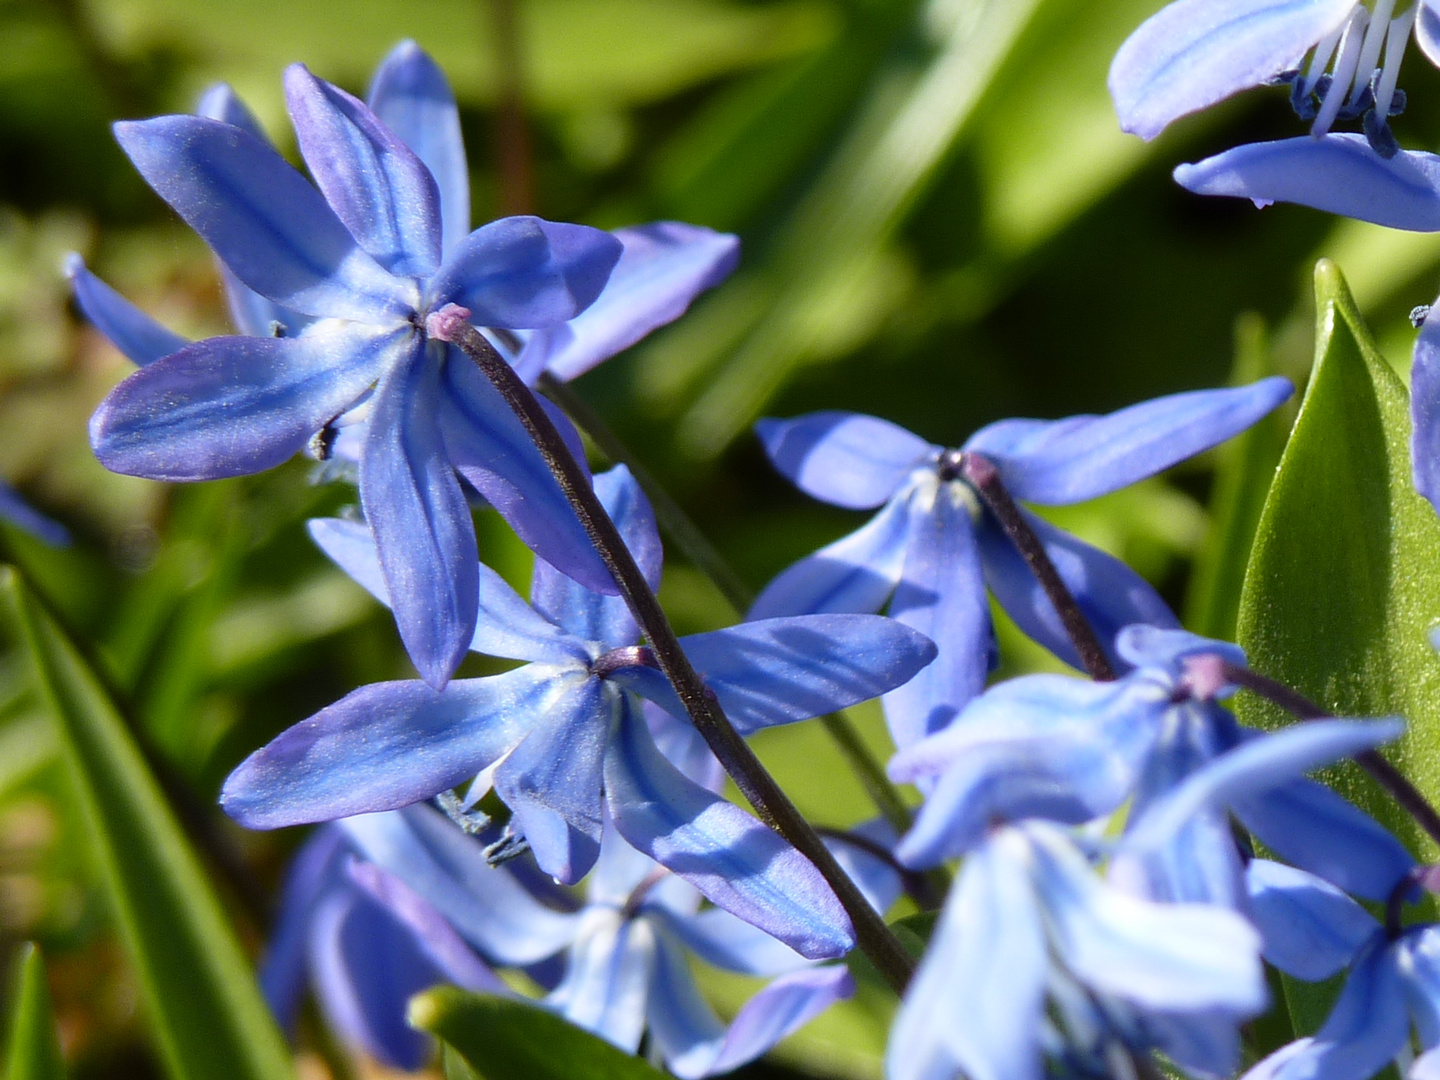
x: 1269, y: 1067
x: 1419, y: 963
x: 1154, y: 646
x: 588, y: 615
x: 730, y: 943
x: 607, y: 983
x: 385, y: 746
x: 1206, y: 1041
x: 375, y: 184
x: 235, y: 405
x: 1427, y: 30
x: 1084, y: 457
x: 314, y: 872
x: 1311, y: 929
x: 139, y: 337
x: 738, y: 863
x: 856, y: 573
x: 267, y: 224
x: 1111, y: 595
x: 21, y: 514
x: 941, y: 594
x: 420, y: 518
x: 684, y: 747
x: 492, y: 450
x: 684, y: 1027
x: 976, y: 1003
x: 848, y: 459
x: 412, y: 97
x: 525, y: 272
x: 220, y: 102
x: 1194, y: 53
x: 1424, y: 411
x: 877, y: 879
x: 1338, y: 173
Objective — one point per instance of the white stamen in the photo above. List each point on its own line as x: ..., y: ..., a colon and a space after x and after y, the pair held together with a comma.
x: 1370, y: 53
x: 1343, y: 74
x: 1395, y: 43
x: 1324, y: 50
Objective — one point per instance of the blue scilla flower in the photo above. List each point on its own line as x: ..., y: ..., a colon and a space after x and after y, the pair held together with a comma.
x: 565, y: 736
x: 365, y: 942
x: 1072, y: 750
x: 22, y: 515
x: 933, y: 549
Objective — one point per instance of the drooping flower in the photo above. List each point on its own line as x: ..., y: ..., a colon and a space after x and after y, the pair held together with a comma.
x: 933, y: 549
x: 566, y: 736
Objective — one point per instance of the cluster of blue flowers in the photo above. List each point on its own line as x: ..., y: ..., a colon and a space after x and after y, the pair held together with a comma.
x: 565, y: 819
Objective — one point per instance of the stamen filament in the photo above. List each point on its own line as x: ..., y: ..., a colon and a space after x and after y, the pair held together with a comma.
x: 1395, y: 42
x: 1321, y: 60
x: 1344, y: 73
x: 1375, y: 35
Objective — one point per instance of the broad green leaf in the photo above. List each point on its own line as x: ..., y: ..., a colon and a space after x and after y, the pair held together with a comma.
x: 34, y: 1051
x: 503, y: 1039
x: 1344, y: 579
x: 201, y: 996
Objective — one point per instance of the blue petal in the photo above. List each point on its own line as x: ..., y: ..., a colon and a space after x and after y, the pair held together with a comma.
x: 1338, y: 173
x: 738, y: 863
x: 777, y: 671
x: 384, y: 746
x: 314, y: 872
x: 230, y: 406
x: 129, y: 329
x: 412, y: 98
x: 492, y: 450
x: 856, y: 573
x: 485, y: 904
x: 1419, y: 963
x: 1425, y: 412
x: 941, y: 594
x: 525, y: 272
x: 848, y: 459
x: 552, y: 780
x: 1111, y: 595
x: 422, y: 525
x: 1154, y: 646
x: 265, y: 222
x: 1312, y: 930
x: 1197, y: 52
x: 727, y: 942
x: 505, y: 624
x: 1083, y: 457
x: 220, y: 102
x: 611, y: 967
x: 375, y: 184
x: 1427, y: 30
x: 665, y: 265
x: 686, y: 1030
x: 588, y: 615
x: 877, y: 879
x: 21, y: 514
x: 975, y: 1004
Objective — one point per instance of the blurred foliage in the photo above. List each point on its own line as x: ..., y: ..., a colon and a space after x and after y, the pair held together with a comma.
x: 942, y: 224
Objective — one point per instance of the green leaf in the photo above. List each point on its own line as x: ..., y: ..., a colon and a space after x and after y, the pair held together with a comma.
x: 34, y: 1052
x: 915, y: 931
x: 199, y: 990
x: 1344, y: 579
x: 501, y: 1039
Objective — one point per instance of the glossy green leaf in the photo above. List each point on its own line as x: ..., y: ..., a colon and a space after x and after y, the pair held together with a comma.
x: 34, y: 1051
x: 501, y: 1038
x: 200, y: 993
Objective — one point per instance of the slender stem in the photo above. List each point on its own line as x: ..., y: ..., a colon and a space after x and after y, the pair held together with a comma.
x: 1385, y: 774
x: 512, y: 126
x: 985, y: 478
x: 707, y: 559
x: 757, y: 785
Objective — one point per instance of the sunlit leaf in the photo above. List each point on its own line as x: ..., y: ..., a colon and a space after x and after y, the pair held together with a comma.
x: 34, y: 1050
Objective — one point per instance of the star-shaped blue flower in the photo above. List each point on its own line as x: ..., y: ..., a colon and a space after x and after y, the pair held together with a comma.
x: 933, y: 549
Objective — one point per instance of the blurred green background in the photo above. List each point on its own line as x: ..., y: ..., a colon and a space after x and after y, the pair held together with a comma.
x: 942, y: 224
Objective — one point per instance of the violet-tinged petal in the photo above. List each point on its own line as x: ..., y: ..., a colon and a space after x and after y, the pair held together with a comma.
x: 588, y: 615
x: 858, y: 572
x: 1311, y: 929
x: 492, y: 450
x: 235, y: 405
x: 1368, y: 1026
x: 941, y: 594
x: 525, y: 272
x: 1306, y: 823
x: 607, y: 982
x: 22, y: 515
x: 1194, y: 53
x: 552, y: 780
x: 384, y: 746
x: 412, y: 97
x: 314, y: 872
x: 848, y: 459
x: 220, y: 102
x: 1425, y: 412
x: 421, y: 521
x: 665, y: 265
x: 1338, y: 173
x: 738, y: 863
x: 730, y: 943
x: 485, y: 904
x: 259, y: 215
x: 684, y: 747
x: 976, y: 1001
x: 139, y: 337
x: 1083, y: 457
x: 505, y: 625
x: 1111, y: 595
x: 376, y: 185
